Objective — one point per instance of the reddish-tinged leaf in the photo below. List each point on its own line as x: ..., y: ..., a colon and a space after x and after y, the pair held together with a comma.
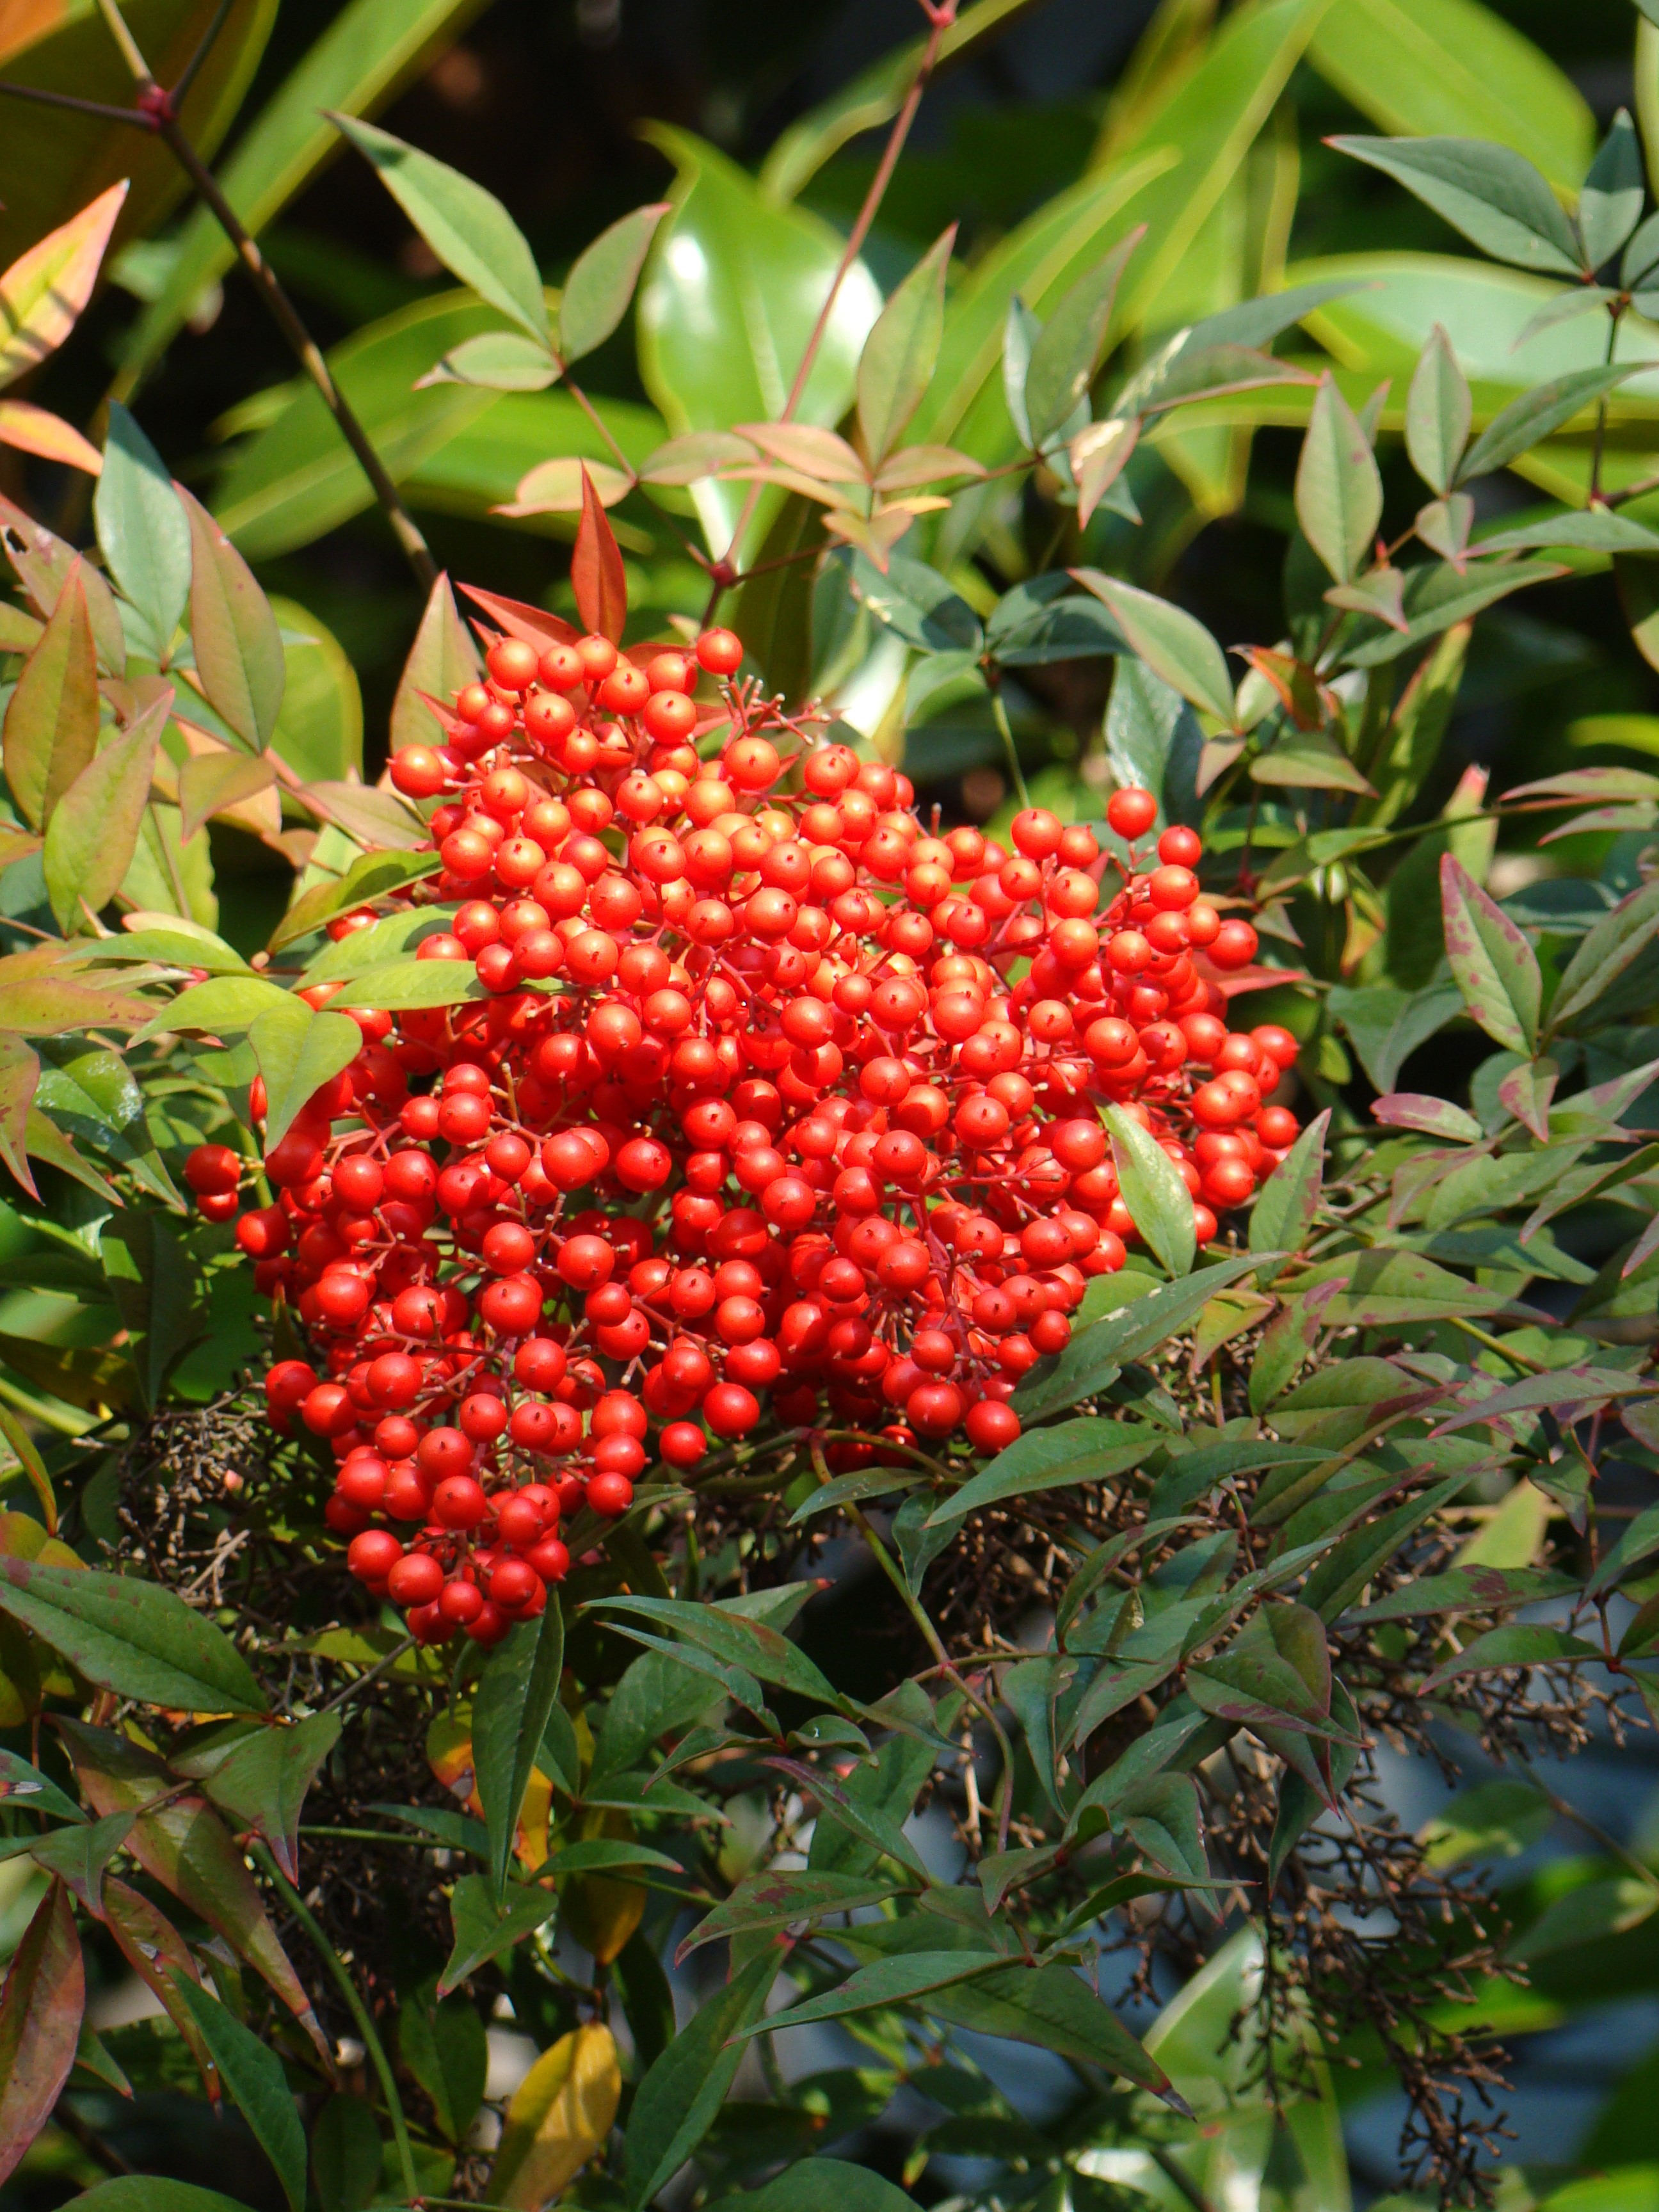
x: 94, y: 834
x: 20, y: 1071
x: 158, y: 1953
x: 1511, y: 1648
x: 44, y: 291
x: 533, y: 624
x: 239, y: 648
x: 1527, y: 1092
x: 40, y: 2010
x: 596, y: 570
x: 51, y: 723
x: 37, y: 430
x: 78, y: 1854
x: 130, y: 1636
x: 43, y: 563
x: 212, y: 783
x: 1495, y: 967
x: 264, y: 1782
x: 1435, y: 1117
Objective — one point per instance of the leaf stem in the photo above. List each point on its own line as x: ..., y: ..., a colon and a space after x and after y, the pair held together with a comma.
x: 360, y: 2012
x: 1521, y: 1359
x: 1000, y: 713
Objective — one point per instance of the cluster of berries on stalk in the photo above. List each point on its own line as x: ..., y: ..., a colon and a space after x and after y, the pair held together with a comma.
x: 763, y: 1107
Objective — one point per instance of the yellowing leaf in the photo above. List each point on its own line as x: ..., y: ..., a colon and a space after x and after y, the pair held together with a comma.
x: 560, y: 2114
x: 556, y: 488
x: 36, y: 430
x: 43, y: 291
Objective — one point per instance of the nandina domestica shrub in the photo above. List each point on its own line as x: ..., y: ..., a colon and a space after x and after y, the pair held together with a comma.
x: 774, y: 1106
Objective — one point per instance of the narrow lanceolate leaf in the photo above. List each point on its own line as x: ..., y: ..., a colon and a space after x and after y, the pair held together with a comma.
x: 1067, y: 354
x: 263, y: 1783
x: 889, y: 1981
x: 1339, y: 492
x: 142, y: 527
x: 1096, y: 1354
x: 1285, y: 1209
x: 1610, y: 204
x: 674, y: 2107
x: 1495, y: 196
x: 1154, y: 1192
x: 252, y: 2073
x: 298, y: 1052
x: 1055, y: 2009
x: 441, y: 660
x: 94, y: 831
x: 51, y: 722
x: 40, y: 2010
x: 771, y: 1900
x: 239, y: 648
x: 467, y: 227
x: 1464, y: 1589
x: 134, y: 1637
x: 1536, y: 414
x: 514, y: 1697
x: 1079, y: 1451
x: 601, y: 281
x: 900, y: 351
x: 1508, y: 1648
x: 1495, y: 967
x: 596, y: 570
x: 1607, y: 949
x: 44, y: 291
x: 1174, y: 644
x: 1439, y: 413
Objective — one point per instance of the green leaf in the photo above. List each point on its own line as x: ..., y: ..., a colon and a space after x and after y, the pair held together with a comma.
x: 345, y: 2155
x: 157, y: 1287
x: 40, y: 2010
x: 238, y: 645
x: 1610, y: 205
x: 1387, y: 1025
x: 443, y: 2043
x: 442, y: 659
x: 253, y: 2073
x: 1153, y: 1190
x: 1438, y: 595
x: 752, y: 1644
x: 1439, y: 413
x: 131, y: 1637
x: 1079, y: 1451
x: 141, y: 528
x: 1055, y: 2009
x: 1493, y: 195
x: 1506, y: 1649
x: 901, y: 352
x: 467, y: 227
x: 497, y: 361
x: 675, y: 2105
x: 602, y: 280
x: 1607, y: 949
x: 1455, y: 65
x: 1174, y: 645
x: 94, y: 830
x: 482, y: 1931
x: 50, y: 730
x: 319, y: 729
x: 1339, y: 492
x: 923, y: 607
x: 299, y: 1050
x: 888, y: 1982
x: 829, y: 2184
x: 263, y: 1783
x: 1495, y: 967
x: 515, y: 1694
x: 1066, y: 356
x: 770, y: 1899
x: 1497, y: 1819
x: 1098, y: 1354
x: 1287, y: 1202
x: 729, y: 300
x: 1387, y: 1288
x: 368, y: 50
x: 1463, y: 1590
x: 399, y: 985
x: 32, y: 1791
x: 1532, y: 418
x: 135, y: 2192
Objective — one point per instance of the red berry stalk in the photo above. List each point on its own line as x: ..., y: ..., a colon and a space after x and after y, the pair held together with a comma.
x: 774, y: 1110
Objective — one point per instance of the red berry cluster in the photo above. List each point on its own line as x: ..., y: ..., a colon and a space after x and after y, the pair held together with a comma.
x: 769, y: 1095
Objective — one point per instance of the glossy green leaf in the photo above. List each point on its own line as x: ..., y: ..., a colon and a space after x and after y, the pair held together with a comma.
x: 94, y: 827
x: 441, y: 660
x: 1174, y: 645
x: 1288, y: 1200
x: 1387, y: 1288
x: 252, y: 2073
x: 602, y: 280
x: 263, y: 1783
x: 1066, y: 356
x: 441, y: 2042
x: 1495, y: 967
x: 141, y: 528
x: 50, y: 730
x: 1096, y: 1354
x: 319, y: 728
x: 675, y: 2105
x: 345, y: 2155
x: 1610, y: 205
x: 1493, y: 195
x: 497, y: 361
x: 40, y: 2010
x: 888, y: 1982
x: 1603, y: 954
x: 32, y: 1791
x: 467, y: 227
x: 297, y: 1051
x: 1339, y: 492
x: 1055, y: 2009
x: 482, y: 1930
x: 1464, y: 1589
x: 238, y: 646
x: 1160, y: 1202
x: 770, y: 1899
x: 1532, y: 418
x: 830, y: 2184
x: 731, y: 294
x: 132, y: 1637
x: 157, y: 1288
x: 902, y: 350
x: 1455, y: 66
x: 1048, y: 1458
x: 401, y: 984
x: 515, y: 1694
x: 1507, y: 1648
